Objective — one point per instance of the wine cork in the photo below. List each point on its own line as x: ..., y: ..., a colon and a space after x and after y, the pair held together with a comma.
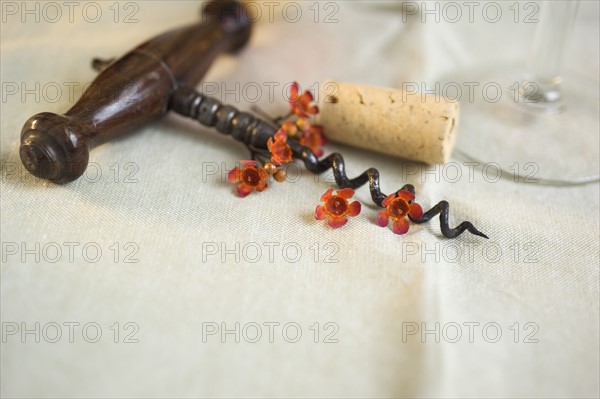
x: 409, y: 125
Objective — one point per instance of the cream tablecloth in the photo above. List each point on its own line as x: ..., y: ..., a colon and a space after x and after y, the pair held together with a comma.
x: 154, y: 240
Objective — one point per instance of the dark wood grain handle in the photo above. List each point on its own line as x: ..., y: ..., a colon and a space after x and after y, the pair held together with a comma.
x: 130, y: 92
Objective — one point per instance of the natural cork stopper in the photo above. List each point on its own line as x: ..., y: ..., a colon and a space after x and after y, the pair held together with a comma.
x: 415, y: 126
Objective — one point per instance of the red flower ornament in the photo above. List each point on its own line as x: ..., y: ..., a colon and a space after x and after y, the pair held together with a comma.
x: 314, y: 139
x: 397, y: 207
x: 301, y: 104
x: 336, y: 208
x: 280, y: 150
x: 248, y: 178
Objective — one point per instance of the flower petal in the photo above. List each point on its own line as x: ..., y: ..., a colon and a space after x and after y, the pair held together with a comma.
x: 400, y: 226
x: 320, y: 213
x: 415, y: 211
x: 316, y: 129
x: 285, y: 155
x: 307, y: 97
x: 294, y: 90
x: 382, y: 218
x: 338, y: 222
x: 345, y: 192
x: 354, y: 208
x: 243, y: 191
x: 327, y: 195
x: 262, y: 186
x: 313, y: 141
x: 234, y: 175
x: 387, y: 199
x: 281, y: 135
x: 248, y: 162
x: 407, y: 195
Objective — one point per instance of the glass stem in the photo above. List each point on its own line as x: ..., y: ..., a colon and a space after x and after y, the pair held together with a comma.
x: 542, y: 82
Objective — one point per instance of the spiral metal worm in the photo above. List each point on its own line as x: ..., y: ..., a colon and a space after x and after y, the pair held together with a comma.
x: 255, y: 133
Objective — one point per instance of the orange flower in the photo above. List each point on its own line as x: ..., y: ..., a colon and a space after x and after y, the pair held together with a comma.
x: 248, y: 178
x: 397, y: 207
x: 314, y: 139
x: 300, y: 104
x: 336, y: 207
x: 280, y: 150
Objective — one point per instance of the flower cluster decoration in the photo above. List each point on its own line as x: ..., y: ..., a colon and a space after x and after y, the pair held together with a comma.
x: 335, y: 207
x: 253, y: 175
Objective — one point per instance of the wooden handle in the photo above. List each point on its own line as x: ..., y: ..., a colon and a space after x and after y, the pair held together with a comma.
x: 130, y: 92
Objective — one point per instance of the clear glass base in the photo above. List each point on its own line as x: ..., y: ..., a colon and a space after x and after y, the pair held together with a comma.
x: 545, y: 136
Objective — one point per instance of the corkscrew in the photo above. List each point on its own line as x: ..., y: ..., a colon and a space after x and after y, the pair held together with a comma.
x: 159, y: 76
x: 255, y: 133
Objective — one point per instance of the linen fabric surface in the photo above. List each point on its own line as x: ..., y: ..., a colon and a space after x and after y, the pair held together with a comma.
x: 149, y: 277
